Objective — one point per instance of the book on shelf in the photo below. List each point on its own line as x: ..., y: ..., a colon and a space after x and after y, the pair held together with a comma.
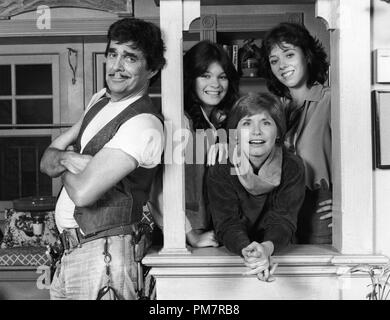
x: 232, y: 51
x: 235, y: 56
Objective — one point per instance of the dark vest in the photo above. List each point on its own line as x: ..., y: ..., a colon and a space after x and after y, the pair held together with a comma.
x: 122, y: 204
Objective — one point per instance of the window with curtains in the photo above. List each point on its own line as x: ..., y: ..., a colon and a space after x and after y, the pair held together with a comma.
x: 29, y: 115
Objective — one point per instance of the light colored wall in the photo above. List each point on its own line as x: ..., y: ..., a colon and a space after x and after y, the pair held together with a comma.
x: 381, y: 39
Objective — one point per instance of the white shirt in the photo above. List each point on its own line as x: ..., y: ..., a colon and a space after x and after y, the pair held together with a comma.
x: 142, y: 137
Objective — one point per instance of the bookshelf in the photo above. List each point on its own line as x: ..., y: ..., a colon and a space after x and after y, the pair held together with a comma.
x: 232, y: 31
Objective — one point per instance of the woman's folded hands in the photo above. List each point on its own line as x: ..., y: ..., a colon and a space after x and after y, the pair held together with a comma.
x: 257, y: 257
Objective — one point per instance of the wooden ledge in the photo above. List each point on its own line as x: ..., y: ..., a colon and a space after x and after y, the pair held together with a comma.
x: 295, y: 260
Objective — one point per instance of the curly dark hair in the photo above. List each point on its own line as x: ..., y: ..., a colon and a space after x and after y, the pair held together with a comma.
x: 146, y: 36
x: 196, y: 62
x: 299, y: 36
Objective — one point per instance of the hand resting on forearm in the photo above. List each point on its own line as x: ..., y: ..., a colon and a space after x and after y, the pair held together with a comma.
x: 75, y: 162
x: 58, y: 151
x: 55, y: 162
x: 51, y: 162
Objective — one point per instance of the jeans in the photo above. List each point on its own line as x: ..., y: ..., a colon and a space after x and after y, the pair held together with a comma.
x: 82, y: 272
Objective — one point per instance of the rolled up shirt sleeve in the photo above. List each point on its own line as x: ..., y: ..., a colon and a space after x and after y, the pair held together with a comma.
x: 141, y: 137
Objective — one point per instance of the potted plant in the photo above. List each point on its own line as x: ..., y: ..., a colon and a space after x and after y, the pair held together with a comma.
x: 380, y: 280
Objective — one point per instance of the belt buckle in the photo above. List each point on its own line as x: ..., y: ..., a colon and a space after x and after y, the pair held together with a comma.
x: 64, y: 240
x: 71, y: 240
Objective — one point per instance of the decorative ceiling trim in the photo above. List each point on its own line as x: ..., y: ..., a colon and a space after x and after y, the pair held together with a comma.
x: 250, y: 22
x: 60, y: 27
x: 10, y: 8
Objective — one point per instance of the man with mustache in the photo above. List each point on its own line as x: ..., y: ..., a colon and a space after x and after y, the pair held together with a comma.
x: 107, y: 162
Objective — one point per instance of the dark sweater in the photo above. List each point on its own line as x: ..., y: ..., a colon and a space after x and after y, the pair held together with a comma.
x: 240, y: 218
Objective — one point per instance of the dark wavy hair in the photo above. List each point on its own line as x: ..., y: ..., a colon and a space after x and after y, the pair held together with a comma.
x: 298, y: 36
x: 146, y: 36
x: 255, y: 103
x: 196, y: 62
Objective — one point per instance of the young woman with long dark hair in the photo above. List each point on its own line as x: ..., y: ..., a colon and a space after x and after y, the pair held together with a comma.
x: 296, y: 68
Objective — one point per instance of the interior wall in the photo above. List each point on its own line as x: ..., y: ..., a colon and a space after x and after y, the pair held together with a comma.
x: 381, y: 39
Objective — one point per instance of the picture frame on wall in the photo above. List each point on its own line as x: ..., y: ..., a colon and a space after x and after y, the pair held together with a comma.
x: 381, y: 128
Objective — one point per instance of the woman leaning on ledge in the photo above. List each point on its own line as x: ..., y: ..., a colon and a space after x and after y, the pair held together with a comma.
x: 254, y: 199
x: 296, y: 68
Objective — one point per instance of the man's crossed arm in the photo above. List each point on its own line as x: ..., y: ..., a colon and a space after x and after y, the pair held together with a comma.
x: 56, y: 156
x: 102, y: 172
x: 85, y: 178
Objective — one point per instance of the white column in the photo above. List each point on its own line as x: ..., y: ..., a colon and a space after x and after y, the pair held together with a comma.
x: 174, y: 14
x: 350, y: 74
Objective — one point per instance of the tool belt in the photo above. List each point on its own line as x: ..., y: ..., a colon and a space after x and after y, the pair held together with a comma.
x: 140, y: 240
x: 72, y: 238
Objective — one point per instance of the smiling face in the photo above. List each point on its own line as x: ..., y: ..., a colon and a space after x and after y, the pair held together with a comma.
x: 260, y: 132
x: 127, y: 73
x: 211, y: 86
x: 288, y: 64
